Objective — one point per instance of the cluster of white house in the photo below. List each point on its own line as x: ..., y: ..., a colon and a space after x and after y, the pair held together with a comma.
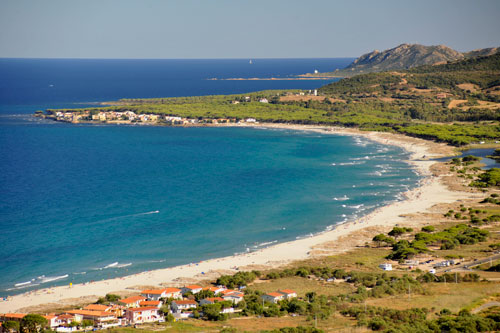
x: 146, y: 307
x: 132, y: 117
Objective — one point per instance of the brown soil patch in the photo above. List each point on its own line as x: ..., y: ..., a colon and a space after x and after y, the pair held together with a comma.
x: 298, y: 98
x: 422, y: 91
x: 456, y: 103
x: 488, y: 105
x: 468, y: 86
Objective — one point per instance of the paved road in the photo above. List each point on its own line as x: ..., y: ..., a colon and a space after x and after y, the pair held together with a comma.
x: 468, y: 265
x: 485, y: 306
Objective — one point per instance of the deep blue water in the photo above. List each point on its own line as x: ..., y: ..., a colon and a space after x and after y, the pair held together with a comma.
x: 78, y: 198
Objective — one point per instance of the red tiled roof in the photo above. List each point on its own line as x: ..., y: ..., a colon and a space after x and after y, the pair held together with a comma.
x: 193, y: 286
x: 14, y: 315
x: 186, y: 301
x: 145, y: 308
x: 96, y: 307
x: 65, y: 316
x: 90, y: 313
x: 227, y: 291
x: 132, y: 299
x: 160, y: 291
x: 274, y: 294
x: 146, y: 303
x: 287, y: 291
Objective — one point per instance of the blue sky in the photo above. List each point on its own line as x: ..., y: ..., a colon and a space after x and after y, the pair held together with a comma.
x: 239, y: 28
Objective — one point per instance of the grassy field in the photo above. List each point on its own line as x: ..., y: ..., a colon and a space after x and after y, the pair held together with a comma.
x: 442, y: 296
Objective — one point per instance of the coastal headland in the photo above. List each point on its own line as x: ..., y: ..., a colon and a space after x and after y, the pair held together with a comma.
x: 431, y: 192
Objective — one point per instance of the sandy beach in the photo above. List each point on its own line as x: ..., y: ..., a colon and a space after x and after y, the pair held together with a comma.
x: 431, y: 192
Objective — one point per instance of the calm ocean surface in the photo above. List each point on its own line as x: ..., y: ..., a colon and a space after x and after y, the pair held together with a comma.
x: 83, y: 202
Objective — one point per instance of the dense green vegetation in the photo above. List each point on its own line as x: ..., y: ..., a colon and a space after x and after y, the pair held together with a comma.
x: 446, y: 239
x: 415, y: 320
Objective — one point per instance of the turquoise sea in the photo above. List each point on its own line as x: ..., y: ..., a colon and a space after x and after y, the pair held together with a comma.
x: 86, y: 202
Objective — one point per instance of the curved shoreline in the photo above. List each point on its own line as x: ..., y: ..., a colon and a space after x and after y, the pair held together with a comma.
x: 428, y: 193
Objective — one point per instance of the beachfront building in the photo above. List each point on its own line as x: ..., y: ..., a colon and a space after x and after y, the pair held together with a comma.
x: 51, y: 320
x: 289, y: 294
x: 98, y: 307
x: 194, y: 289
x: 65, y: 319
x: 101, y: 319
x: 211, y: 300
x: 273, y: 297
x: 179, y: 305
x: 132, y: 302
x: 156, y: 294
x: 141, y: 315
x: 215, y: 290
x: 157, y: 304
x: 12, y: 317
x: 233, y: 296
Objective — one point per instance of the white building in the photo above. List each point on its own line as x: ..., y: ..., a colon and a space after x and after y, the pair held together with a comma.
x: 273, y: 297
x: 386, y: 266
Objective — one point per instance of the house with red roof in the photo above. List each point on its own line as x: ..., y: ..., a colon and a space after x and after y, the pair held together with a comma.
x: 191, y: 288
x: 157, y: 304
x: 215, y: 290
x: 289, y: 294
x: 12, y: 316
x: 156, y: 294
x: 211, y: 300
x: 132, y: 302
x: 147, y: 314
x: 179, y: 305
x: 273, y: 297
x: 100, y: 318
x: 233, y: 296
x: 98, y: 307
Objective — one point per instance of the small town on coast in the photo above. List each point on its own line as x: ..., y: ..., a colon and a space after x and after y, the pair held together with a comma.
x: 152, y: 305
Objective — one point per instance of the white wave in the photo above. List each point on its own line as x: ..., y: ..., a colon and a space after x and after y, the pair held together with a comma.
x: 111, y: 265
x: 344, y: 206
x: 22, y: 287
x: 123, y: 265
x: 162, y: 260
x: 352, y: 163
x: 360, y: 158
x: 344, y: 198
x: 80, y: 273
x: 265, y: 244
x: 22, y: 284
x: 356, y: 206
x: 52, y: 278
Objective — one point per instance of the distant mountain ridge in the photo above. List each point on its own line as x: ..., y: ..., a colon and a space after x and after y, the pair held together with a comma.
x: 406, y: 56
